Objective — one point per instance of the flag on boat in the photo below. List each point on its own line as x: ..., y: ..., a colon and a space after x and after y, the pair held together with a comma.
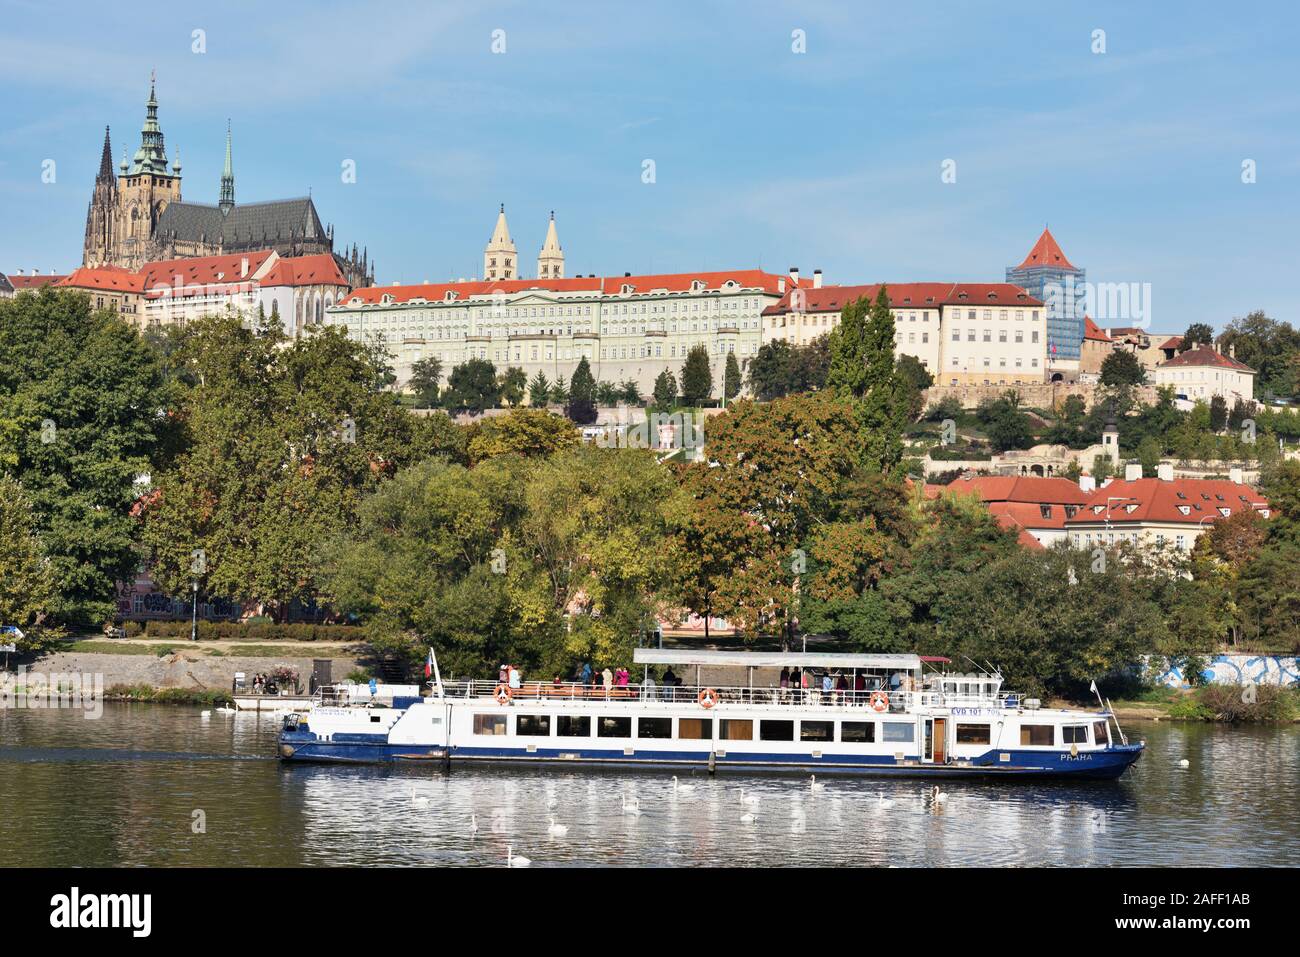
x: 428, y: 665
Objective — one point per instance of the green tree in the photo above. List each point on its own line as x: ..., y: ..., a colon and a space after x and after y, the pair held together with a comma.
x: 27, y: 586
x: 1122, y: 368
x: 582, y: 394
x: 426, y: 374
x: 665, y: 392
x: 84, y: 405
x: 513, y: 384
x: 539, y: 390
x: 472, y: 387
x: 697, y: 377
x: 731, y: 378
x: 862, y: 368
x: 1197, y: 334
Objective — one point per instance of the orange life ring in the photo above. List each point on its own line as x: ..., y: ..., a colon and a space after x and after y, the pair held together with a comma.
x: 502, y: 694
x: 879, y: 701
x: 708, y: 698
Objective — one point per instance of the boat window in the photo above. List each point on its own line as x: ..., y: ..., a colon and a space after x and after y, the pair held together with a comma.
x: 973, y: 734
x: 695, y: 729
x: 614, y: 728
x: 735, y: 729
x: 1100, y: 733
x: 776, y: 730
x: 654, y: 727
x: 1074, y: 734
x: 489, y: 724
x: 1036, y: 734
x: 898, y: 731
x: 573, y: 725
x: 857, y: 731
x: 533, y: 725
x: 816, y: 730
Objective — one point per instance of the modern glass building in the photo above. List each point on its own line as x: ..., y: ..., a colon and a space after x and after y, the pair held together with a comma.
x: 1047, y: 275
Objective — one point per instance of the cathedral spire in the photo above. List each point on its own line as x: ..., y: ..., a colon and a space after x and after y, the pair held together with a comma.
x: 106, y: 161
x: 550, y: 261
x: 227, y: 201
x: 151, y: 157
x: 500, y: 254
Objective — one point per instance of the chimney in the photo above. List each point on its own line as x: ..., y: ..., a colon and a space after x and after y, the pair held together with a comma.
x: 1132, y: 471
x: 794, y: 275
x: 817, y: 278
x: 1165, y: 471
x: 1087, y: 483
x: 1235, y: 476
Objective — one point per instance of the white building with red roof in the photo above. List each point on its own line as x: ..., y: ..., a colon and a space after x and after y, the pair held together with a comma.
x: 1160, y: 512
x: 1203, y: 373
x: 627, y: 327
x: 298, y: 288
x: 1033, y: 506
x: 962, y: 332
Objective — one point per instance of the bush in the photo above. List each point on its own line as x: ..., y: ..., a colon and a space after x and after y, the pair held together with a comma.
x: 263, y: 630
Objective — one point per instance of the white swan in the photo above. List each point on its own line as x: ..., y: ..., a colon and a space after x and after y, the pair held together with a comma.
x: 747, y: 818
x: 884, y: 803
x: 512, y: 860
x: 417, y: 800
x: 814, y: 786
x: 557, y: 830
x: 634, y: 808
x: 682, y: 788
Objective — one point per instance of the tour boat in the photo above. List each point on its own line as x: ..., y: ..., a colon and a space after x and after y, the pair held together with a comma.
x: 901, y: 715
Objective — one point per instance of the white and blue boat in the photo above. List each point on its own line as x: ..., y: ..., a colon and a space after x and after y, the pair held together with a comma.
x: 899, y: 715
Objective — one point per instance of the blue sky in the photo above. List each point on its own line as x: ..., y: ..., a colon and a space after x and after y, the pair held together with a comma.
x: 763, y: 157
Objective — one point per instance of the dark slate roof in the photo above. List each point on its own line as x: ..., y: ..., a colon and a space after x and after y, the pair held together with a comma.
x: 250, y: 225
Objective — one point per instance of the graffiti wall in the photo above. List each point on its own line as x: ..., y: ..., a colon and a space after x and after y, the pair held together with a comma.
x: 1236, y: 670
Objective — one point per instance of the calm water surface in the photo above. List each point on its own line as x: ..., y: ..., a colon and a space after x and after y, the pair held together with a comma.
x: 124, y: 789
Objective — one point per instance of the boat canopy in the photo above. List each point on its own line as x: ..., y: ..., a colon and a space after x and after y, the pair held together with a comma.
x: 775, y: 659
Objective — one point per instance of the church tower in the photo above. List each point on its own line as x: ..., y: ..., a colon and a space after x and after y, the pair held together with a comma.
x: 100, y: 236
x: 500, y: 256
x: 550, y: 261
x: 227, y: 201
x: 144, y: 190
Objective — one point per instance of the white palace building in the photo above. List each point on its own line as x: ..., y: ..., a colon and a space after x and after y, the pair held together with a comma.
x: 627, y: 327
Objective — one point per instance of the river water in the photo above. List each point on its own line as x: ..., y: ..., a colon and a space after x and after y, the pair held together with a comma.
x: 159, y: 785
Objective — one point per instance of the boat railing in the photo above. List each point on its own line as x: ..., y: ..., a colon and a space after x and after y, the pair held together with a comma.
x: 899, y: 700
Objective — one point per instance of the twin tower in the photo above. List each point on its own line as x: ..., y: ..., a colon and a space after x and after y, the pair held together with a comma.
x: 501, y: 259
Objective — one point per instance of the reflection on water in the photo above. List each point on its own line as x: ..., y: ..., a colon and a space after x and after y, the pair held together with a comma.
x: 133, y: 788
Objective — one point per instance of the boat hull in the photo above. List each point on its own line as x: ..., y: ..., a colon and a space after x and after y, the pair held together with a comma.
x: 1108, y: 764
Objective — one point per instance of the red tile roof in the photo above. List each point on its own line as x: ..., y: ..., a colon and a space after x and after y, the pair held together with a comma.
x: 907, y: 295
x: 1092, y: 331
x: 1205, y: 356
x: 1046, y: 252
x: 201, y: 273
x: 595, y: 285
x: 317, y: 270
x: 1030, y: 489
x: 1154, y: 500
x: 32, y: 282
x: 109, y: 278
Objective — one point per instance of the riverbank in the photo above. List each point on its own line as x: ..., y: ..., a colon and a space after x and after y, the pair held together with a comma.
x: 1263, y: 704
